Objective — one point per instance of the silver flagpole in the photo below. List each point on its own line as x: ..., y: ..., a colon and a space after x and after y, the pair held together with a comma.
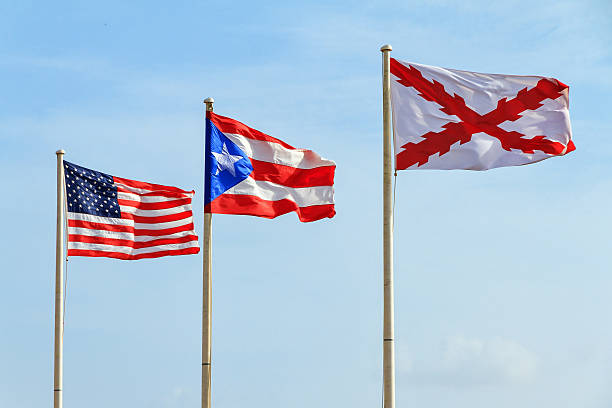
x: 58, y: 363
x: 207, y: 291
x: 388, y: 341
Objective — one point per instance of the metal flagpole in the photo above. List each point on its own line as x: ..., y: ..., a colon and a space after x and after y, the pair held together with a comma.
x: 388, y: 342
x: 207, y: 291
x: 58, y: 364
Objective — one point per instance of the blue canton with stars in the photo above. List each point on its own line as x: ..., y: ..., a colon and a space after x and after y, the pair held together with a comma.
x: 90, y: 192
x: 226, y: 164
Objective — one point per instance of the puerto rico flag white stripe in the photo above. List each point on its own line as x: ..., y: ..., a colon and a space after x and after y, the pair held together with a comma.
x: 283, y: 179
x: 126, y: 219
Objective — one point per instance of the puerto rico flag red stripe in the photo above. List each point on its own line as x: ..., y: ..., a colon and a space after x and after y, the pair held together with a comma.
x: 126, y: 219
x: 283, y: 178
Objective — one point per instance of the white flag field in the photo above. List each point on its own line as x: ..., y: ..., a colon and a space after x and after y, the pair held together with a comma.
x: 451, y: 119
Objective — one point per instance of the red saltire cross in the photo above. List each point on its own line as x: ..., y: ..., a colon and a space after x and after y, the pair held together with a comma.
x: 472, y: 122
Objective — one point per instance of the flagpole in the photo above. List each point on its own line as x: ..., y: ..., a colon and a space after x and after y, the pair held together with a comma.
x: 58, y: 363
x: 207, y: 292
x: 388, y: 341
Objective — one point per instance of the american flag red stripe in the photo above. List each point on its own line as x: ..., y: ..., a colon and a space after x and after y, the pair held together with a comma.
x: 127, y: 257
x: 151, y: 220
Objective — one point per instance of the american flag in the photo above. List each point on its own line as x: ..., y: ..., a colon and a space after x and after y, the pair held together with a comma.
x: 119, y: 218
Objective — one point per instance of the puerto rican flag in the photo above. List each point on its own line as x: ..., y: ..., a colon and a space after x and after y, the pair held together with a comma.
x: 450, y: 119
x: 250, y: 173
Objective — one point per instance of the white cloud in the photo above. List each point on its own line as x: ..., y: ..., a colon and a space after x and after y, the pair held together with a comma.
x: 489, y: 360
x: 465, y: 361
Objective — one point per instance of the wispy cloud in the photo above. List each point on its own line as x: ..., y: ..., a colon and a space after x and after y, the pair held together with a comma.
x: 468, y: 362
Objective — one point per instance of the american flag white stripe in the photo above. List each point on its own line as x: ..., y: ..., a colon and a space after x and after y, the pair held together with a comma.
x: 155, y: 226
x: 154, y: 220
x: 155, y: 213
x: 98, y: 219
x: 143, y: 199
x: 130, y: 250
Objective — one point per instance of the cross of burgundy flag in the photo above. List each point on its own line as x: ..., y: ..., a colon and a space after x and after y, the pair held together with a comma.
x: 251, y: 173
x: 451, y: 119
x: 120, y: 218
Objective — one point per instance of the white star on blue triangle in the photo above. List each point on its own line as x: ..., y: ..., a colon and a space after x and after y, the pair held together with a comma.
x: 225, y: 160
x: 226, y: 164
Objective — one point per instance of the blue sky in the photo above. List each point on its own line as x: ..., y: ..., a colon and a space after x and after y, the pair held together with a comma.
x: 502, y: 277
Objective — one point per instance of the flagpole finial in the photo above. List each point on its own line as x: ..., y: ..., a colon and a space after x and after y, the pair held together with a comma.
x: 386, y: 47
x: 209, y: 104
x: 60, y: 151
